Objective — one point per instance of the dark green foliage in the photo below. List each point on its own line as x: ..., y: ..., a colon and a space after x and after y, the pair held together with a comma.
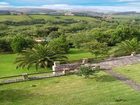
x: 25, y: 22
x: 45, y: 31
x: 54, y: 34
x: 125, y: 32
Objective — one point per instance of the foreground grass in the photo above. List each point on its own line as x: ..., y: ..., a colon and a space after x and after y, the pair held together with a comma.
x: 8, y: 68
x: 131, y: 71
x: 70, y: 90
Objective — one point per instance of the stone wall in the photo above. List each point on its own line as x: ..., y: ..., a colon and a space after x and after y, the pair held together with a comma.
x: 57, y: 67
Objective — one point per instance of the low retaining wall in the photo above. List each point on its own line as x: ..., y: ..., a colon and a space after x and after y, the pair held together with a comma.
x: 67, y: 67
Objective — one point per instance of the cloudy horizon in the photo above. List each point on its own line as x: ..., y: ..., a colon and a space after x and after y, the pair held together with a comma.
x: 109, y: 5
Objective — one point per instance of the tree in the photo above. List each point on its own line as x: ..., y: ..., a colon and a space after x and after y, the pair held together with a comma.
x: 127, y: 47
x: 20, y: 43
x: 38, y: 56
x: 125, y: 32
x: 59, y: 45
x: 96, y: 47
x: 79, y: 38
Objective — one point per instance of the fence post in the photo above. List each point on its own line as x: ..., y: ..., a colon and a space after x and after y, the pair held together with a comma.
x: 133, y: 53
x: 54, y: 67
x: 85, y: 61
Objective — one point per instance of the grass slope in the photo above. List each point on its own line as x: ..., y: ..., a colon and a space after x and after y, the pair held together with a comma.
x: 131, y: 71
x: 8, y: 68
x: 46, y: 17
x: 70, y: 90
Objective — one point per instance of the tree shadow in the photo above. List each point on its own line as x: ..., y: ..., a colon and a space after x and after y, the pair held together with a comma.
x: 104, y: 78
x: 14, y: 95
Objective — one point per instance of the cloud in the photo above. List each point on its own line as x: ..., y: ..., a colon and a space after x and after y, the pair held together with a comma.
x: 125, y: 5
x: 99, y: 8
x: 128, y: 0
x: 4, y: 4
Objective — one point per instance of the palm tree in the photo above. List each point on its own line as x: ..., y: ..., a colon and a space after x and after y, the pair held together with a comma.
x: 38, y: 56
x: 127, y: 47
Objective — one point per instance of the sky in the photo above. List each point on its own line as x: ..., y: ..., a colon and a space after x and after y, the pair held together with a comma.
x: 116, y: 5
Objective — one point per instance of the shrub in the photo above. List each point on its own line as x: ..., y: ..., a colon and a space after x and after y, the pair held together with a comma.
x: 87, y: 71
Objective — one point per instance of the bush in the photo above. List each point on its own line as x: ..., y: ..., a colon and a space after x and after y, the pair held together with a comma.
x: 87, y: 71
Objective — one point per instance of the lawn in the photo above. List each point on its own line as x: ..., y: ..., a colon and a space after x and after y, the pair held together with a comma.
x: 70, y: 90
x: 131, y: 71
x: 77, y: 54
x: 8, y: 68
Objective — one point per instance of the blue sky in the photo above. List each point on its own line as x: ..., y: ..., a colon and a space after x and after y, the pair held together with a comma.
x: 70, y: 2
x: 112, y: 4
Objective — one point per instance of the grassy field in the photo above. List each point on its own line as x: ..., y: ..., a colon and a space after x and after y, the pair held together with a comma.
x: 77, y: 54
x: 8, y: 68
x: 46, y: 17
x: 131, y: 71
x: 70, y: 90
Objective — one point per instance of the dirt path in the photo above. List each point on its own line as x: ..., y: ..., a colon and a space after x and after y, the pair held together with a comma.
x: 124, y: 79
x: 108, y: 65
